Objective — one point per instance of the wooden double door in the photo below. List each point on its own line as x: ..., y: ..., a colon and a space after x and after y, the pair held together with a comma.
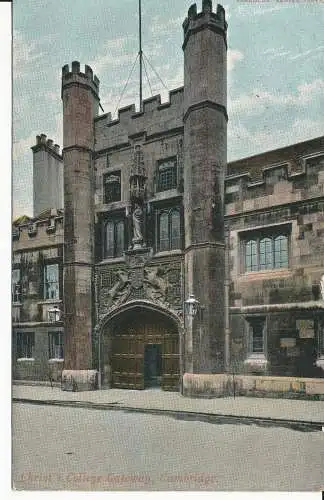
x: 145, y: 353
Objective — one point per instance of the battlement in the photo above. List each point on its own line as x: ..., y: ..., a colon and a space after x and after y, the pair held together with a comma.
x: 305, y: 175
x: 206, y: 18
x: 29, y: 231
x: 43, y: 142
x: 76, y: 76
x: 149, y: 105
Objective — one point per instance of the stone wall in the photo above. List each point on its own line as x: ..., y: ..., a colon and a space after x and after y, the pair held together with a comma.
x: 30, y: 254
x: 201, y: 385
x: 39, y: 367
x: 284, y: 198
x: 295, y: 211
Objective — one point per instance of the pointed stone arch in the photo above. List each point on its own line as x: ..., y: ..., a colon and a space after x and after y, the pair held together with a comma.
x: 124, y: 334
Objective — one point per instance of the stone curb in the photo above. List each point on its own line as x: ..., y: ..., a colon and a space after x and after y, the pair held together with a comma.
x: 185, y: 415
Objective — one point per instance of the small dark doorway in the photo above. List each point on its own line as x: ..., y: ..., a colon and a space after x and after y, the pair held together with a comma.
x: 152, y: 365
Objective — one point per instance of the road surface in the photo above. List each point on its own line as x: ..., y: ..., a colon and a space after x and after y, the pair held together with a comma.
x: 85, y: 449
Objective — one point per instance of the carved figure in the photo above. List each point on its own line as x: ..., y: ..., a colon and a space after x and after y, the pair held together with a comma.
x: 120, y: 290
x: 156, y: 285
x: 137, y: 224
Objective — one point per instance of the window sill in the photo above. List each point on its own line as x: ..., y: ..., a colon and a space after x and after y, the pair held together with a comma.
x: 49, y: 301
x: 111, y: 260
x: 20, y: 360
x: 164, y: 195
x: 266, y: 274
x: 167, y: 253
x: 111, y: 206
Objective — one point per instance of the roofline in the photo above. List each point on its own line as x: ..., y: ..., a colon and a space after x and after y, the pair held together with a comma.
x: 308, y: 141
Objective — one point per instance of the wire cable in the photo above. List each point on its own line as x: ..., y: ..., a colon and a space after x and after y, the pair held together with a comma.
x: 147, y: 78
x: 125, y: 86
x: 157, y: 74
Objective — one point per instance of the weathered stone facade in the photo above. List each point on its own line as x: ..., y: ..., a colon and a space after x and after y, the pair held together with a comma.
x: 273, y: 194
x: 36, y: 244
x: 153, y: 215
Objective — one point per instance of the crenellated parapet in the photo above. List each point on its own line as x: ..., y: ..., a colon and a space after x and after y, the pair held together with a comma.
x: 150, y: 105
x: 86, y: 78
x: 156, y: 118
x: 42, y: 142
x: 44, y: 230
x: 291, y: 179
x: 195, y: 21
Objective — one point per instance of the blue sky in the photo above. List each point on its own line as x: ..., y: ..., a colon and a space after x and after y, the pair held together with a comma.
x: 275, y: 68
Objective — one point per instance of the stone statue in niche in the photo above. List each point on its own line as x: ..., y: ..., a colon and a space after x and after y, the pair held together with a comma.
x: 138, y: 219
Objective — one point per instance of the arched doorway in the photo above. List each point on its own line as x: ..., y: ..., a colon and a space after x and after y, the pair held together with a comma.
x: 141, y: 348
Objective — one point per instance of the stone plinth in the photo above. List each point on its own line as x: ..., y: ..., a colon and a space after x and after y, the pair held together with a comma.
x: 79, y: 380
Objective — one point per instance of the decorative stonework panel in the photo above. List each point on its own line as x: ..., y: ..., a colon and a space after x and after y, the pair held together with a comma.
x: 160, y: 284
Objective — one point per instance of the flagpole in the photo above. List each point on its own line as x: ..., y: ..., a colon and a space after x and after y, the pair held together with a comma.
x: 140, y: 56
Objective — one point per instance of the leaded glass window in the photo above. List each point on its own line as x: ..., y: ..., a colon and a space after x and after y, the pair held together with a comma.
x: 55, y: 341
x: 112, y: 187
x: 114, y: 239
x: 51, y: 281
x: 167, y: 175
x: 169, y: 223
x: 25, y: 345
x: 15, y: 285
x: 266, y: 252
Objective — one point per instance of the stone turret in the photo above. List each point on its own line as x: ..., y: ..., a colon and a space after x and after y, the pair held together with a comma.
x: 80, y: 106
x: 205, y: 133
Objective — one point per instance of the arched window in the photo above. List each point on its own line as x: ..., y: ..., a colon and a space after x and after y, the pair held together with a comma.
x: 114, y: 239
x: 169, y: 230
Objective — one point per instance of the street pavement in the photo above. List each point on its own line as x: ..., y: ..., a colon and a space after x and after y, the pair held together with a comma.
x: 156, y: 399
x: 57, y: 448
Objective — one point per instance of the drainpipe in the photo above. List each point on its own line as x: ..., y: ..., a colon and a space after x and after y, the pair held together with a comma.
x: 226, y: 294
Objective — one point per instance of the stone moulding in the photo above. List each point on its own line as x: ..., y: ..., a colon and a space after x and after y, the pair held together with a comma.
x: 175, y: 315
